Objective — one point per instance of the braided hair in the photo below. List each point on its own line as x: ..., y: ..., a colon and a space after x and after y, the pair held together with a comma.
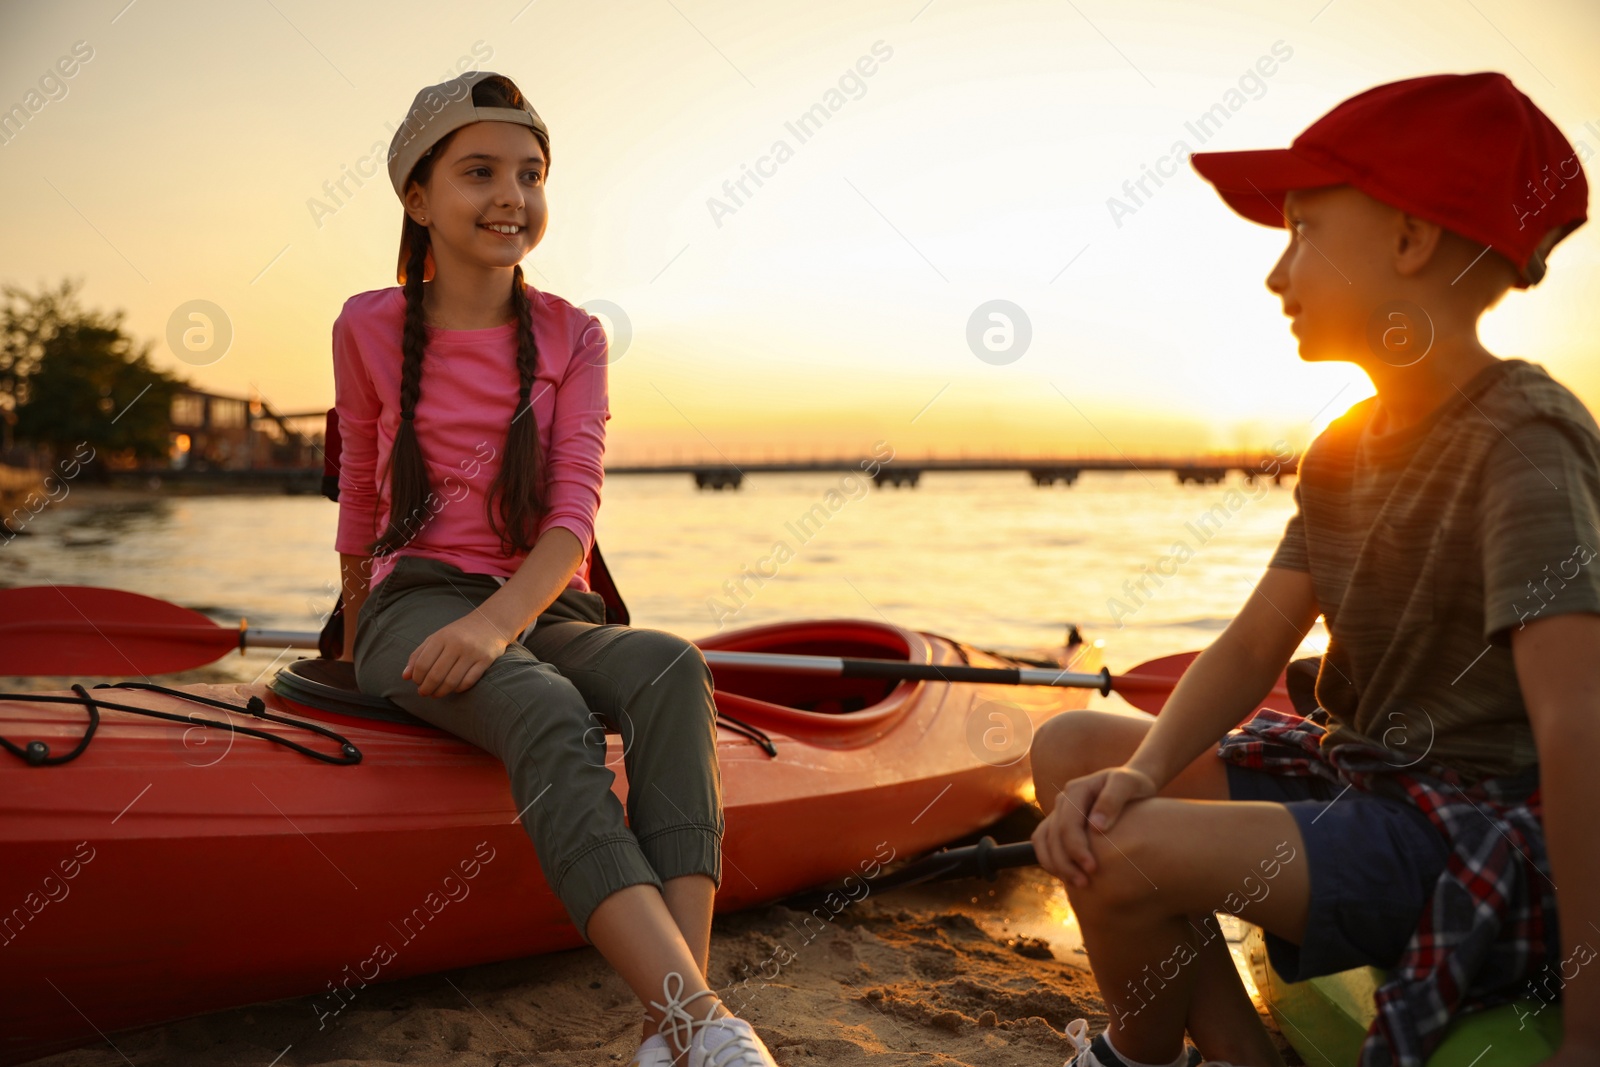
x: 515, y: 500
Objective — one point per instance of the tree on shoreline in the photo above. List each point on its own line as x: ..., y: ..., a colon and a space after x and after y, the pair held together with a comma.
x: 70, y: 376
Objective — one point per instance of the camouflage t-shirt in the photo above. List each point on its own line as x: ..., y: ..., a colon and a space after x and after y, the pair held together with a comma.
x: 1429, y: 546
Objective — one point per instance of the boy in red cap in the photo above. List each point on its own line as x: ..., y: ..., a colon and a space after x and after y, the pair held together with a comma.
x: 1447, y: 530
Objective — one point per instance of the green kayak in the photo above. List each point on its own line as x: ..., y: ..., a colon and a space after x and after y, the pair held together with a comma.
x: 1326, y: 1019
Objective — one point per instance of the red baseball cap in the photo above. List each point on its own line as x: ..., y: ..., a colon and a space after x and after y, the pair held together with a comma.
x: 1467, y: 151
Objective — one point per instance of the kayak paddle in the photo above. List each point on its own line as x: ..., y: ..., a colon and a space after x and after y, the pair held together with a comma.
x: 78, y: 629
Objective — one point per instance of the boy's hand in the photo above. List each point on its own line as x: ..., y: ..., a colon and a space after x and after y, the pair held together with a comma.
x: 452, y: 659
x: 1093, y: 801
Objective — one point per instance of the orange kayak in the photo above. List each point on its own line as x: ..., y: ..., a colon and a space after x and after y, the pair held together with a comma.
x: 173, y: 869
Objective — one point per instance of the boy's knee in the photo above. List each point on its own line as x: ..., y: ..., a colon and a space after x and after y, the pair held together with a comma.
x: 1124, y: 861
x: 1071, y: 745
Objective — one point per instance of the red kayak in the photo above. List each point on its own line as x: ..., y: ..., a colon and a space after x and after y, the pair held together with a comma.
x: 171, y: 869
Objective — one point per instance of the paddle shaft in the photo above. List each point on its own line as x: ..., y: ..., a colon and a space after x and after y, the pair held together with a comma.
x: 841, y: 667
x: 984, y: 860
x: 824, y: 666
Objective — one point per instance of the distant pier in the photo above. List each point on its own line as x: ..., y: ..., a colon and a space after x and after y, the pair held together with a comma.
x: 1203, y: 470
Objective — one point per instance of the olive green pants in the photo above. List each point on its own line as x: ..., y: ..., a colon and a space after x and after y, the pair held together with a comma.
x: 543, y: 709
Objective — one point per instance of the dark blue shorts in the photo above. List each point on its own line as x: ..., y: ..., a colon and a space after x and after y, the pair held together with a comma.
x: 1373, y: 864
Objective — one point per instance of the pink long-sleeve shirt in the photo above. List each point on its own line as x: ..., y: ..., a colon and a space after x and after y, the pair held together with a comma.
x: 467, y: 398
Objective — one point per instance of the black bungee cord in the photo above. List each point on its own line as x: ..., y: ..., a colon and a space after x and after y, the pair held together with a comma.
x: 37, y: 753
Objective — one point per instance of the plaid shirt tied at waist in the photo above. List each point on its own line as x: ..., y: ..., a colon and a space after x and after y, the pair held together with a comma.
x: 1491, y: 923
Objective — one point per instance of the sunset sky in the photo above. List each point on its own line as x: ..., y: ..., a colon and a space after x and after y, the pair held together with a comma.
x: 186, y: 159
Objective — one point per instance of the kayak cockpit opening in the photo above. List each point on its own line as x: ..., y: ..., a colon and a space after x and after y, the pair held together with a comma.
x: 803, y: 691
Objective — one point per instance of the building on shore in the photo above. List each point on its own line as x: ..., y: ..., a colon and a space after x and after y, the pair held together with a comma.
x: 213, y: 431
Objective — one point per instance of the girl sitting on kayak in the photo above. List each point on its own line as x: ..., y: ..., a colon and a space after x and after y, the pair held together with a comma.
x: 484, y: 401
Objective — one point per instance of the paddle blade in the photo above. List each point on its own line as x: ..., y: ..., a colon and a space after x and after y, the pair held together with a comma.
x: 82, y: 629
x: 1148, y: 685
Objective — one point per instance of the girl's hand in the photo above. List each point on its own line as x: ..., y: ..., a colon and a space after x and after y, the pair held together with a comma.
x: 1091, y: 802
x: 452, y: 659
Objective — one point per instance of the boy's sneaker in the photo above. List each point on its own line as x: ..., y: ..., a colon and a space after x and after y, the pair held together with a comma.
x: 1098, y: 1053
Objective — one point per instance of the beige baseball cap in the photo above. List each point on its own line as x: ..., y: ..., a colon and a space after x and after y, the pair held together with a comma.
x: 436, y: 111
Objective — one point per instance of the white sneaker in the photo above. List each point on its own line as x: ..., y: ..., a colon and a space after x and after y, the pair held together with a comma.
x: 729, y: 1042
x: 706, y: 1041
x: 652, y: 1053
